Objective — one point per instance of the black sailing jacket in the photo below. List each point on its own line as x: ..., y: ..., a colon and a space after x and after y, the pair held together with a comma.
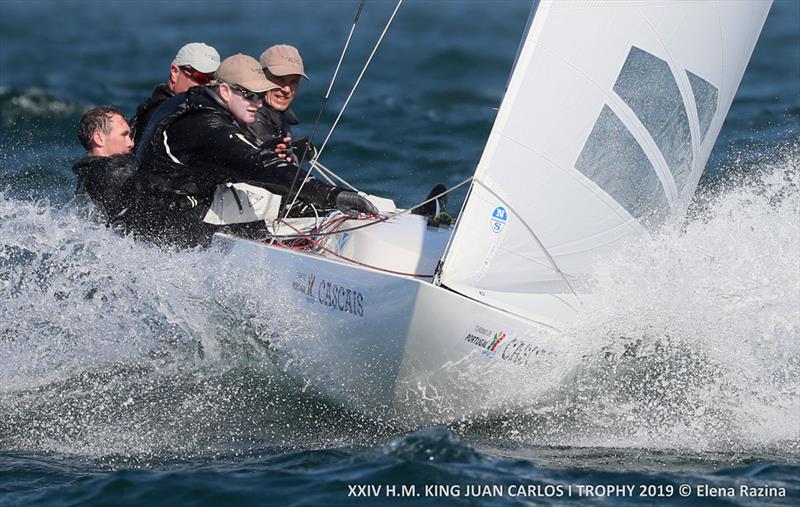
x: 193, y: 144
x: 272, y: 125
x: 145, y: 111
x: 105, y: 180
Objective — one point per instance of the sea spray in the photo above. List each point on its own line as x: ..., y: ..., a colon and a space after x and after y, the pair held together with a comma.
x: 690, y: 338
x: 114, y: 347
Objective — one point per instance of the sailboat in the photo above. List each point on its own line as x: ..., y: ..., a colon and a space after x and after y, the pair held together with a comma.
x: 609, y: 116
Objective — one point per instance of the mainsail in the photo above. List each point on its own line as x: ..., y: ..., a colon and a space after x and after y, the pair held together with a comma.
x: 610, y: 115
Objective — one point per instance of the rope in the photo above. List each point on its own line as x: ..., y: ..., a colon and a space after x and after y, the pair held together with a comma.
x: 346, y: 102
x: 348, y: 259
x: 358, y: 80
x: 378, y: 219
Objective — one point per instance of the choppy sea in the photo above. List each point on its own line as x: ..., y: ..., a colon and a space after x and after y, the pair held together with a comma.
x: 115, y: 391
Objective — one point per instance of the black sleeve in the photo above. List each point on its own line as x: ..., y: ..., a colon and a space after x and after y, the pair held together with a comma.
x: 138, y: 123
x: 223, y: 151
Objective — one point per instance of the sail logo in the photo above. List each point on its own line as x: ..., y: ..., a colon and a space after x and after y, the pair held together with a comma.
x: 499, y: 219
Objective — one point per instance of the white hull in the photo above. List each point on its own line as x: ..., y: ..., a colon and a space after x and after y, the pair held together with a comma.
x: 397, y: 346
x: 609, y: 117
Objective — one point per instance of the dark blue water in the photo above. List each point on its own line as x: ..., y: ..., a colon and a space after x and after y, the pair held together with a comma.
x: 126, y: 379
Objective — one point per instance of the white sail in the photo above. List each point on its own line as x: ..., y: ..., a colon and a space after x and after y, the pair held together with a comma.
x: 609, y: 118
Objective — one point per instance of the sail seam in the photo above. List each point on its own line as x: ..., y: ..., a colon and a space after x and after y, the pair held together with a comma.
x: 651, y: 150
x: 589, y: 185
x: 688, y: 99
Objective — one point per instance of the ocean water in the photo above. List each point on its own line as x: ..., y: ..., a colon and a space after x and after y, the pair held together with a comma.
x: 116, y: 388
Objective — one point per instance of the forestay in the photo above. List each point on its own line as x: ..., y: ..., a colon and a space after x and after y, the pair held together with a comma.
x: 609, y: 118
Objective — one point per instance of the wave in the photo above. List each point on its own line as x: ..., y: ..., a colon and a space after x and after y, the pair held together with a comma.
x: 113, y: 347
x: 31, y: 104
x: 691, y: 338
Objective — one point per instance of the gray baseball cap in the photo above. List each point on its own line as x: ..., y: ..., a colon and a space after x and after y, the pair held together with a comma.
x: 199, y: 55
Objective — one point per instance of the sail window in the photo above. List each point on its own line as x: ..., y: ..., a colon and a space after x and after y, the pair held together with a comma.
x: 614, y: 160
x: 705, y: 96
x: 647, y: 85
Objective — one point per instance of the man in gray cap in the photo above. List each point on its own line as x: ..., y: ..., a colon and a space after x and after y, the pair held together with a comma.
x: 197, y: 144
x: 194, y: 65
x: 283, y: 66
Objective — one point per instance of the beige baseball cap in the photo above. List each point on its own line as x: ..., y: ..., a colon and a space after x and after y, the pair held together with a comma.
x: 199, y: 55
x: 244, y: 71
x: 282, y: 60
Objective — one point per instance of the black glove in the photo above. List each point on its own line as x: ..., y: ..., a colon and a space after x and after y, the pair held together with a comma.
x: 302, y: 148
x: 350, y: 203
x: 271, y: 144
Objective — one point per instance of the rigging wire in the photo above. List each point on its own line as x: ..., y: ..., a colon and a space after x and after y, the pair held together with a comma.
x: 327, y: 173
x: 341, y: 112
x: 358, y: 80
x: 325, y: 103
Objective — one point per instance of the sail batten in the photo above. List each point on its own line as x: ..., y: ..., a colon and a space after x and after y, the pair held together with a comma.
x: 608, y: 120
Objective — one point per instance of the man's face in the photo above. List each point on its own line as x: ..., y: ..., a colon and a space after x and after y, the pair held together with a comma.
x: 242, y: 103
x: 184, y: 77
x: 279, y: 99
x: 116, y: 142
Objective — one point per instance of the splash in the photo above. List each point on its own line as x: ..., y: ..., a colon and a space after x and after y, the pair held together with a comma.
x: 692, y: 337
x: 114, y: 348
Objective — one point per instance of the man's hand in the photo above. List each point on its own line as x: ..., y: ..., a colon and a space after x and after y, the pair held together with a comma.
x: 350, y: 203
x: 283, y: 150
x: 303, y: 149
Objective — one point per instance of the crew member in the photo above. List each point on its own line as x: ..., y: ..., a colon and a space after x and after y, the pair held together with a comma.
x: 283, y: 65
x: 198, y: 141
x: 108, y: 163
x: 194, y: 65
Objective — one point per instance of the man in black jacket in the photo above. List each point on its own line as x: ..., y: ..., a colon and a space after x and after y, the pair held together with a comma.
x: 198, y: 141
x: 194, y: 65
x: 108, y: 164
x: 283, y: 65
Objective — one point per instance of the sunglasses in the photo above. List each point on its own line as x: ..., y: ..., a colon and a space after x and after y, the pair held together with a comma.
x: 247, y: 94
x: 195, y: 75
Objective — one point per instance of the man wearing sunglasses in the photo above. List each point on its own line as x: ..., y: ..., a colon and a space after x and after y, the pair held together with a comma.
x: 197, y: 147
x: 194, y: 65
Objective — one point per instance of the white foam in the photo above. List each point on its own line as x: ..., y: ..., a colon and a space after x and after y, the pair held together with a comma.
x: 112, y: 346
x: 692, y: 337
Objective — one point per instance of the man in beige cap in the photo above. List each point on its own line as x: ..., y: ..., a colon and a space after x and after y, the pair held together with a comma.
x: 283, y: 66
x: 194, y: 65
x: 199, y: 144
